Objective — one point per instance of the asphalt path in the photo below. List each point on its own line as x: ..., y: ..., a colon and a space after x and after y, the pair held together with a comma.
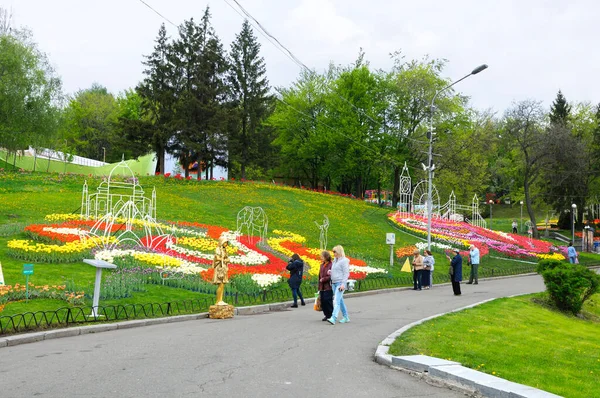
x: 279, y: 354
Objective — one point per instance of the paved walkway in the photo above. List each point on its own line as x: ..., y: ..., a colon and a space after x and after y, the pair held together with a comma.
x: 279, y: 354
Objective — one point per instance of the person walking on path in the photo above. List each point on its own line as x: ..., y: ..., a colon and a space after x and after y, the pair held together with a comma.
x: 456, y: 271
x: 426, y: 275
x: 572, y: 254
x: 474, y: 260
x: 417, y: 264
x: 325, y: 291
x: 340, y: 271
x: 296, y: 268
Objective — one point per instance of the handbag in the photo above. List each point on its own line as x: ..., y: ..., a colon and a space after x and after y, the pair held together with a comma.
x: 317, y: 305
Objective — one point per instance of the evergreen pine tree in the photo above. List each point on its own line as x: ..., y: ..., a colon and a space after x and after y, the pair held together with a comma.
x: 156, y: 91
x: 249, y: 140
x: 201, y: 94
x: 560, y: 110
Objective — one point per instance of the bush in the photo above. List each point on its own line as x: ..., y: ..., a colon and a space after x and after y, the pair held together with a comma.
x: 547, y: 264
x: 570, y: 285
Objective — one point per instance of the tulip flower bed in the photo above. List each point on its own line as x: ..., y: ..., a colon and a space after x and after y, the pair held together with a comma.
x: 188, y: 251
x: 19, y: 292
x: 461, y: 235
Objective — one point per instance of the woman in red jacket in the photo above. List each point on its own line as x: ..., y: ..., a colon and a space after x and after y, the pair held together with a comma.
x: 325, y: 291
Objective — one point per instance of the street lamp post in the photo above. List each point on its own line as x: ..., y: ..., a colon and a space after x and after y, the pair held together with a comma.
x: 573, y: 210
x: 104, y: 156
x: 521, y: 202
x: 430, y: 153
x: 491, y: 202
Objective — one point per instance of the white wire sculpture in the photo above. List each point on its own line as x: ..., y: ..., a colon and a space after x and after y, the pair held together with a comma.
x: 529, y: 227
x: 120, y: 200
x: 415, y: 202
x: 419, y: 200
x: 476, y: 218
x: 323, y: 232
x: 405, y: 192
x: 254, y: 220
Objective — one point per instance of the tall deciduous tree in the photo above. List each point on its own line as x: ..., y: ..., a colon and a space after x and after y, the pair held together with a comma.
x: 30, y: 91
x: 133, y: 125
x: 305, y: 140
x: 249, y: 140
x: 523, y: 130
x: 355, y: 109
x: 91, y: 120
x: 413, y: 85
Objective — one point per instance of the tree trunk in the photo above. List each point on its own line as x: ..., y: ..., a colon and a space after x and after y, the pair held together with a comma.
x: 358, y: 187
x: 530, y: 210
x: 396, y: 190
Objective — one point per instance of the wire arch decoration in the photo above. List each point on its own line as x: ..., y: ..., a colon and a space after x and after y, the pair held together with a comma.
x: 254, y: 220
x: 323, y: 232
x: 119, y: 206
x: 419, y: 199
x: 476, y: 218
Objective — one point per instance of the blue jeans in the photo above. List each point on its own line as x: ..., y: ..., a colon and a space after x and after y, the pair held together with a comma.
x: 297, y: 293
x: 338, y: 301
x: 572, y: 260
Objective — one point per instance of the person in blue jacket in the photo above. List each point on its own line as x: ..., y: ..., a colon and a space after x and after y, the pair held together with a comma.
x: 456, y: 272
x: 572, y: 253
x: 296, y: 268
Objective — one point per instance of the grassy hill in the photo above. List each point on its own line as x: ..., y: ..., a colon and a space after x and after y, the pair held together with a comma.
x: 360, y: 227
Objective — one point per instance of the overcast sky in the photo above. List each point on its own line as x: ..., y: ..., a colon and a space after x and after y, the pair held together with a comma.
x: 532, y: 47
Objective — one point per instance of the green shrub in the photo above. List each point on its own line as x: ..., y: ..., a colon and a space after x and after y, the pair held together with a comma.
x: 570, y: 285
x: 547, y: 264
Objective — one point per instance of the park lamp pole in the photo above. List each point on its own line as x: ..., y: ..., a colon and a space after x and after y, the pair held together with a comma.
x: 491, y: 202
x: 521, y: 216
x: 573, y: 210
x: 430, y: 153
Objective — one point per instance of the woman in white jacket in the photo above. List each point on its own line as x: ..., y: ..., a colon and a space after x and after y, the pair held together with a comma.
x: 428, y: 264
x: 340, y: 272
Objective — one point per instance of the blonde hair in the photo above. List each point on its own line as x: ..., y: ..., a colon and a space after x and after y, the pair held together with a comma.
x: 340, y: 250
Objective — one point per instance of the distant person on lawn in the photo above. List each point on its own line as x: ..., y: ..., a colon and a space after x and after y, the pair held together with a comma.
x: 514, y: 227
x: 455, y: 271
x: 474, y: 260
x: 325, y: 290
x: 296, y: 268
x: 572, y: 253
x: 340, y: 272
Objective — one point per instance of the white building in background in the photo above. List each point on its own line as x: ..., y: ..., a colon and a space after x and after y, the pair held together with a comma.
x: 172, y: 166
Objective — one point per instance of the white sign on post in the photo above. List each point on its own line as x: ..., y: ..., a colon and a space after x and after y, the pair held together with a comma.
x: 390, y: 239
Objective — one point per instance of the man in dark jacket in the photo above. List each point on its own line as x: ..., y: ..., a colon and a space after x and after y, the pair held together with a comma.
x: 296, y: 268
x: 456, y: 272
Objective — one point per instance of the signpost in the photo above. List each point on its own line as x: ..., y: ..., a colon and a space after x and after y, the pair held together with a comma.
x: 99, y: 264
x: 390, y: 239
x: 27, y: 270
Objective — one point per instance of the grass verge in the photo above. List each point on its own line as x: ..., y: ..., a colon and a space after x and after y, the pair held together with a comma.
x: 520, y: 339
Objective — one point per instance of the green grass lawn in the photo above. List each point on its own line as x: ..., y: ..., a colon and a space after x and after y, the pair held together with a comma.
x: 518, y: 340
x: 360, y: 227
